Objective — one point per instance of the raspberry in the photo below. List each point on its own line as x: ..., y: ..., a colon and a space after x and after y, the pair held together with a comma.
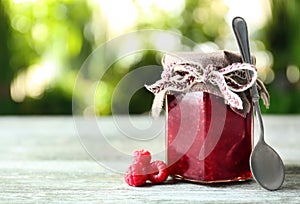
x: 158, y: 172
x: 136, y: 175
x: 141, y: 170
x: 142, y: 156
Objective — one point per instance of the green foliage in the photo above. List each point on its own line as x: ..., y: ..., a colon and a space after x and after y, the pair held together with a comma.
x: 61, y: 33
x: 6, y: 104
x: 38, y: 33
x: 281, y: 37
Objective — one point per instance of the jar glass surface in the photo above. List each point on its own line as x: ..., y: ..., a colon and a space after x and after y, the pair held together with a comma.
x: 206, y: 140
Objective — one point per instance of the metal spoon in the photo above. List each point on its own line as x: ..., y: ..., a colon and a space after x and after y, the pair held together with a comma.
x: 266, y: 165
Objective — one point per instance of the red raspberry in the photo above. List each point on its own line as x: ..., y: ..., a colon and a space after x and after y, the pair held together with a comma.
x: 136, y: 175
x: 158, y: 172
x: 141, y: 170
x: 142, y: 156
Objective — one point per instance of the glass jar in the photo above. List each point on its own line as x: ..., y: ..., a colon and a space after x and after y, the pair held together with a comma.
x: 209, y: 115
x: 207, y: 141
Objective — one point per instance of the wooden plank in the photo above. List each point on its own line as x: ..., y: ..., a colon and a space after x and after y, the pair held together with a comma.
x: 43, y: 161
x: 87, y: 182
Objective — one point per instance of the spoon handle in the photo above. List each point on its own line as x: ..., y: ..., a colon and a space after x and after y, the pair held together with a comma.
x: 241, y: 32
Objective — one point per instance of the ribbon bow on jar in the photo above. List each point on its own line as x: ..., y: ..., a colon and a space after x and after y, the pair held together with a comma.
x: 181, y: 76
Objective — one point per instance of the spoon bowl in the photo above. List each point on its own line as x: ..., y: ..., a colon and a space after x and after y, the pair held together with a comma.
x: 266, y: 166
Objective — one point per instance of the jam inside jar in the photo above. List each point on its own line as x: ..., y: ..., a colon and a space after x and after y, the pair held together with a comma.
x: 207, y: 141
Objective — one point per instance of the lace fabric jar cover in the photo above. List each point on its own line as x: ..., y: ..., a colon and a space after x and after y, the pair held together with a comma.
x: 209, y: 115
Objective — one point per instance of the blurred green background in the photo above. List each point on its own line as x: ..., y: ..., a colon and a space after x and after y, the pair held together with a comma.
x: 44, y: 43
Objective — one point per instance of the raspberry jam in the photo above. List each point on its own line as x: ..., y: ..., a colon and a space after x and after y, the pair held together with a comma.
x: 206, y: 140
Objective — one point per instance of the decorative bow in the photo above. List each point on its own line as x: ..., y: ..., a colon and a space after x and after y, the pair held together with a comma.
x: 181, y: 76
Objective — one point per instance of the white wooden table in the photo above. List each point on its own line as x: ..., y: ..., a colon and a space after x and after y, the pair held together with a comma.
x: 42, y: 160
